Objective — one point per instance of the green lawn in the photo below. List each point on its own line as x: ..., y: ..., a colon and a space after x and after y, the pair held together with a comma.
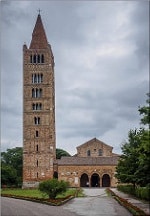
x: 36, y: 192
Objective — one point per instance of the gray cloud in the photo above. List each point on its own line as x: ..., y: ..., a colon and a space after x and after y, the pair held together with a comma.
x: 101, y: 73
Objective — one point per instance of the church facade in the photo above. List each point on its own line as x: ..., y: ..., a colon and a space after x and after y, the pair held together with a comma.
x: 93, y: 165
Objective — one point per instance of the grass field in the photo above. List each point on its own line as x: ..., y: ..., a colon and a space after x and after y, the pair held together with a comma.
x: 36, y: 193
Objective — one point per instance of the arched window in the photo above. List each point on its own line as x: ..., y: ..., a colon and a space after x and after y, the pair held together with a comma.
x: 30, y: 58
x: 88, y: 153
x: 33, y: 93
x: 33, y: 106
x: 36, y: 120
x: 40, y: 92
x: 37, y: 148
x: 41, y: 78
x: 39, y: 58
x: 42, y: 58
x: 34, y: 59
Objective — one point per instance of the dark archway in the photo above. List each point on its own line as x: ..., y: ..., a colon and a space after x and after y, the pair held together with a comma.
x: 95, y: 180
x: 55, y: 175
x: 106, y: 180
x: 84, y: 180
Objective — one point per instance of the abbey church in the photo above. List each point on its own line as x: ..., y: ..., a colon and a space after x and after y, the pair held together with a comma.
x: 94, y: 163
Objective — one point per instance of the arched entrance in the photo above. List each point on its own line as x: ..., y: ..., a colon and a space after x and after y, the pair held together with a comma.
x: 84, y: 180
x: 55, y: 175
x: 105, y: 180
x: 95, y: 180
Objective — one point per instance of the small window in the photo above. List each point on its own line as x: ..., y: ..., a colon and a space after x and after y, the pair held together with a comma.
x: 42, y: 58
x: 37, y: 134
x: 100, y: 152
x: 37, y: 174
x: 37, y: 163
x: 88, y: 153
x: 37, y: 148
x: 34, y: 59
x: 30, y: 58
x: 38, y: 58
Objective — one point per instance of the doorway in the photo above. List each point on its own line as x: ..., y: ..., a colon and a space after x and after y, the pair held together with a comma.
x: 95, y: 180
x: 105, y: 180
x: 84, y: 180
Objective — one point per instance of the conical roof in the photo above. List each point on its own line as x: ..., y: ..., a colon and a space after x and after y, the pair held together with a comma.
x: 39, y: 39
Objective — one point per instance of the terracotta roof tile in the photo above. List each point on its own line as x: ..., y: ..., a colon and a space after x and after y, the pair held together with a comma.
x: 80, y: 161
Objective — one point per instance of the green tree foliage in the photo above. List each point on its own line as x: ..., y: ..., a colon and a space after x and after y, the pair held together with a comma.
x: 134, y: 164
x: 53, y: 187
x: 145, y: 111
x: 60, y: 153
x: 11, y: 166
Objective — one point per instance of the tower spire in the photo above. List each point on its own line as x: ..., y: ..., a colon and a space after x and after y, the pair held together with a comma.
x: 39, y: 39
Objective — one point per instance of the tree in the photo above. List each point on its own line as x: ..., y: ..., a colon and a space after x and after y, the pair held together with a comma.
x: 11, y: 166
x: 127, y: 165
x: 134, y: 164
x: 8, y: 175
x: 145, y: 111
x: 61, y: 152
x: 53, y: 187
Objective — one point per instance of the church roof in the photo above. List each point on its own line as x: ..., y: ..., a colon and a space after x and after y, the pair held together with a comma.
x: 39, y: 39
x: 93, y: 161
x: 90, y: 142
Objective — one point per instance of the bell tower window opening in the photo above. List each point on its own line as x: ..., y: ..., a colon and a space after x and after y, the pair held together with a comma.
x: 34, y: 59
x: 37, y: 148
x: 42, y: 58
x: 37, y: 106
x: 37, y: 134
x: 36, y: 93
x: 30, y: 58
x: 37, y: 59
x: 37, y: 78
x: 36, y: 120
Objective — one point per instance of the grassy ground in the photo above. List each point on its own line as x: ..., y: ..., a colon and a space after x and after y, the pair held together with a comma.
x: 37, y: 193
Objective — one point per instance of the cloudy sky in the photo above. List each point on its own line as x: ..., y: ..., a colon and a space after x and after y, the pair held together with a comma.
x: 101, y: 67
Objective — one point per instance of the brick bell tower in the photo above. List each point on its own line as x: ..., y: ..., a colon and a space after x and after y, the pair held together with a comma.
x: 39, y: 142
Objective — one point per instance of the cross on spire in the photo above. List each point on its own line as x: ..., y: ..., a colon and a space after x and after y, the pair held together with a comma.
x: 39, y: 11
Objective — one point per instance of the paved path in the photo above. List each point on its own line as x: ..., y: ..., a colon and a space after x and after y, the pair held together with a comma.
x: 143, y: 205
x: 96, y: 203
x: 16, y: 207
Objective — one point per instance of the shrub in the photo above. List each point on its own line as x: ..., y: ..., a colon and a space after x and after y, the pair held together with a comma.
x: 139, y: 192
x: 130, y: 189
x: 143, y: 193
x: 53, y: 187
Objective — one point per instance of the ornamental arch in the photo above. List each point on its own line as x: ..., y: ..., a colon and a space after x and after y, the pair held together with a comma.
x: 106, y: 180
x: 95, y: 180
x: 84, y: 180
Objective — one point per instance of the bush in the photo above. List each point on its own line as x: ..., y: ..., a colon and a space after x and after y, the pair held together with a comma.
x: 139, y: 192
x: 130, y: 189
x: 143, y: 193
x: 53, y: 187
